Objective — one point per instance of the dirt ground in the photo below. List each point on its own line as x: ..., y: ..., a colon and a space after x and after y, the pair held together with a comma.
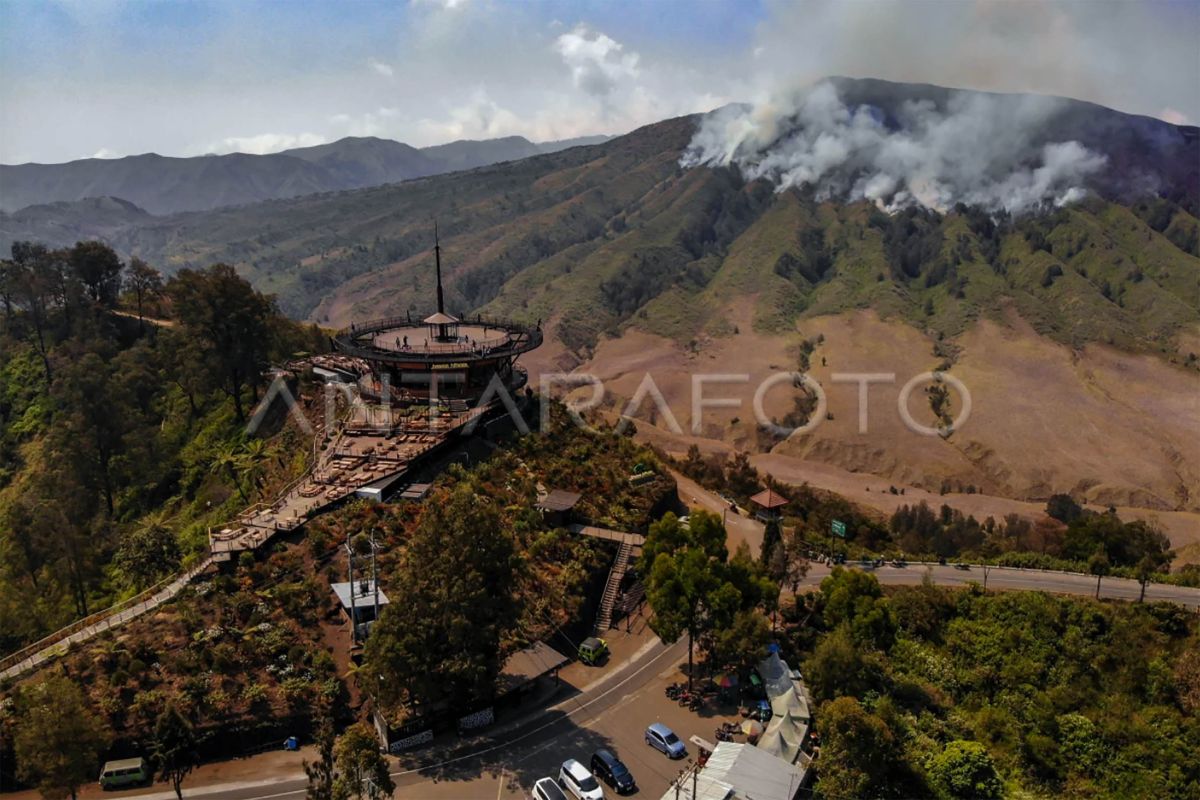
x: 1111, y: 428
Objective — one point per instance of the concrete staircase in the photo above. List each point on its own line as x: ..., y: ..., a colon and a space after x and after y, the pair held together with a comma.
x: 612, y: 588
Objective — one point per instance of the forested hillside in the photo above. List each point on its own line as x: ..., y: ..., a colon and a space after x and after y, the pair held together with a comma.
x: 121, y: 439
x: 259, y: 649
x: 932, y: 692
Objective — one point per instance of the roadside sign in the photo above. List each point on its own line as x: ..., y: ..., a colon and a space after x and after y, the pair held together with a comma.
x: 839, y: 528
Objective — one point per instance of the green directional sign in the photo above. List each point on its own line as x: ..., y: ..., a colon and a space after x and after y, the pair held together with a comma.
x: 839, y: 528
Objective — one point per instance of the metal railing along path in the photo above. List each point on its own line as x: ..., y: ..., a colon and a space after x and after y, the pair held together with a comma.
x: 43, y: 650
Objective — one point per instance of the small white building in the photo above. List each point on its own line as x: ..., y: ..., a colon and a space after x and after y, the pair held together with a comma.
x: 358, y: 601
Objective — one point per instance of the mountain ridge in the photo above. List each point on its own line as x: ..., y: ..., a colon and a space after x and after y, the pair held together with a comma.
x: 171, y: 184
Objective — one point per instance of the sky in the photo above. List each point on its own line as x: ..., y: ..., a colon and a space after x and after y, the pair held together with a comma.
x: 108, y: 78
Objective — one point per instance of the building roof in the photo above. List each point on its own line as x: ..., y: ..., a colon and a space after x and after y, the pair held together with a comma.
x: 707, y: 788
x: 528, y: 665
x: 558, y: 500
x: 439, y: 319
x: 769, y: 499
x: 753, y: 773
x: 361, y: 597
x: 416, y: 491
x: 790, y: 720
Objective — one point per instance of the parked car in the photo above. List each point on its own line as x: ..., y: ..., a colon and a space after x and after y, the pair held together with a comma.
x: 579, y: 782
x: 547, y: 789
x: 663, y: 739
x: 592, y: 650
x: 612, y: 771
x: 124, y: 772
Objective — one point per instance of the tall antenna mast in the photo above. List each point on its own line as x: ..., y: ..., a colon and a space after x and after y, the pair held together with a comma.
x: 437, y: 255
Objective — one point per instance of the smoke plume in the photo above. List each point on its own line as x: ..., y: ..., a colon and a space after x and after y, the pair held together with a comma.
x: 979, y: 149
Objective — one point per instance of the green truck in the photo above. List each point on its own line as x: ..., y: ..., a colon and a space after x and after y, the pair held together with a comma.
x: 124, y: 772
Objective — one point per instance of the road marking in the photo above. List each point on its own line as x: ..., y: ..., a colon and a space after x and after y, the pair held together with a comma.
x: 580, y: 707
x: 668, y: 650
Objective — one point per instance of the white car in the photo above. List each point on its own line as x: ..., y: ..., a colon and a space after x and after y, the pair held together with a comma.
x: 547, y: 789
x: 579, y: 782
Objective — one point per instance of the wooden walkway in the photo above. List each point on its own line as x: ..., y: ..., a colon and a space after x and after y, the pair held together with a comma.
x: 624, y: 537
x: 57, y: 643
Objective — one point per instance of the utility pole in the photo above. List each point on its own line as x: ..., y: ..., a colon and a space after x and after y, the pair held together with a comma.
x: 374, y: 578
x: 353, y: 608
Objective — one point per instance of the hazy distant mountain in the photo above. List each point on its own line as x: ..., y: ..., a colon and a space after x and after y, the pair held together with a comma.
x: 356, y: 162
x: 162, y: 185
x: 578, y: 141
x: 64, y: 222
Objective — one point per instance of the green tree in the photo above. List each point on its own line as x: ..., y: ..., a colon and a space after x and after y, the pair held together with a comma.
x: 174, y: 747
x: 1063, y: 508
x: 221, y: 309
x: 855, y: 599
x: 838, y: 667
x: 964, y: 771
x: 99, y: 270
x: 741, y: 476
x: 772, y: 535
x: 320, y: 772
x: 676, y: 590
x: 692, y: 588
x: 228, y: 462
x: 145, y: 282
x: 444, y: 641
x: 742, y: 644
x: 253, y: 459
x: 58, y: 741
x: 858, y: 750
x: 148, y: 552
x: 361, y: 770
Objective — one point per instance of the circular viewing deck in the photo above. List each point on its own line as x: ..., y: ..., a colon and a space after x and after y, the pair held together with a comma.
x: 400, y: 340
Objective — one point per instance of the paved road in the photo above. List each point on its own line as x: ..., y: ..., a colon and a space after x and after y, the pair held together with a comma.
x: 1004, y: 578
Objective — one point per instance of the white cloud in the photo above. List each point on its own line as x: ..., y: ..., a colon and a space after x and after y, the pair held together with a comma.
x: 448, y: 5
x: 380, y: 122
x: 597, y: 61
x: 383, y: 69
x: 478, y: 118
x: 1172, y: 116
x: 265, y: 143
x: 104, y: 152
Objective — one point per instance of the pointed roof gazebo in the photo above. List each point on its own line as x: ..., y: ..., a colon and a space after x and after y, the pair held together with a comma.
x: 442, y: 327
x: 770, y: 502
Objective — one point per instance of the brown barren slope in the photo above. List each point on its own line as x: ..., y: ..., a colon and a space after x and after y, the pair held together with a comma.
x: 1110, y: 427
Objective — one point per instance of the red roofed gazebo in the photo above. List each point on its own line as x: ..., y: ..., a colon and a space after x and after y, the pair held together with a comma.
x: 769, y: 502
